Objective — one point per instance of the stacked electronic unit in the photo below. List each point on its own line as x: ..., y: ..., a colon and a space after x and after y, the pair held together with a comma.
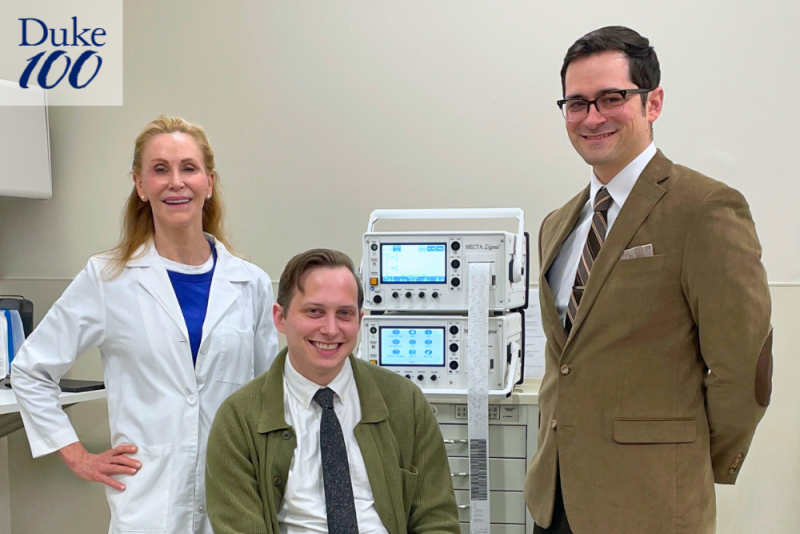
x: 417, y: 290
x: 447, y: 312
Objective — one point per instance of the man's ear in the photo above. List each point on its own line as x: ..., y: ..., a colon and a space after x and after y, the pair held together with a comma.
x: 655, y: 103
x: 279, y: 318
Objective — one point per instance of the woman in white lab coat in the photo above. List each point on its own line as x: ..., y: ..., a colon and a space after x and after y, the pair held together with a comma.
x: 181, y: 324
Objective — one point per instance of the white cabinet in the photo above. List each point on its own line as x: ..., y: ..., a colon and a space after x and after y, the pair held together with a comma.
x: 513, y: 434
x: 24, y: 142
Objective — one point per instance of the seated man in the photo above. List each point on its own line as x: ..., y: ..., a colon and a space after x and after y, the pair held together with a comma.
x: 324, y: 442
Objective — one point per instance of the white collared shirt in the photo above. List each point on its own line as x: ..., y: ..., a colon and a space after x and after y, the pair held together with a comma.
x: 561, y: 275
x: 303, y: 508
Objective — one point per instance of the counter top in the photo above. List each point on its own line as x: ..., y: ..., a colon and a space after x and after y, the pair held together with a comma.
x: 8, y: 401
x: 10, y: 418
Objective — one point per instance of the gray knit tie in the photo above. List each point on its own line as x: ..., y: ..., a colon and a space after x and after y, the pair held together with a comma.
x: 339, y: 501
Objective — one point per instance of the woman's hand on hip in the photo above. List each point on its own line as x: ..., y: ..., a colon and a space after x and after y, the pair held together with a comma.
x: 100, y: 467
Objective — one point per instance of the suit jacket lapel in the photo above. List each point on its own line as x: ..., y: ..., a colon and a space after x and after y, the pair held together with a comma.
x: 643, y: 197
x: 550, y: 319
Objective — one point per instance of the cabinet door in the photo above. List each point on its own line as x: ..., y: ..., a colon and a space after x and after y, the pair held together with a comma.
x: 498, y: 529
x: 504, y: 507
x: 504, y: 474
x: 505, y: 441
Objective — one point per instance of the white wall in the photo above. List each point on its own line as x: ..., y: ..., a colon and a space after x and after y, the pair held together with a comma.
x: 322, y: 111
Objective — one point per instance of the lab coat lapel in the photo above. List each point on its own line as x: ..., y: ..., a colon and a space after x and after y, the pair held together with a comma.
x: 550, y: 319
x: 643, y: 197
x: 225, y: 288
x: 156, y: 282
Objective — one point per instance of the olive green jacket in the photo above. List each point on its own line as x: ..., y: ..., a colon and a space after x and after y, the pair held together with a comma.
x: 250, y: 450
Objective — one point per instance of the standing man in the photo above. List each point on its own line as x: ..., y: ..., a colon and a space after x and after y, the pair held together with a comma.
x: 656, y: 310
x: 324, y: 442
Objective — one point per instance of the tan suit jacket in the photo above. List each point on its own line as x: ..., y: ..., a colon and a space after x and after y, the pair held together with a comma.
x: 657, y: 391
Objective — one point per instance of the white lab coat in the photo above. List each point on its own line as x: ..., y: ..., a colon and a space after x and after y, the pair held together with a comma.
x: 156, y: 399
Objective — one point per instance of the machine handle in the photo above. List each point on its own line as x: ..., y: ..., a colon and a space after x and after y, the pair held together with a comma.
x: 454, y: 441
x: 459, y: 474
x: 463, y: 506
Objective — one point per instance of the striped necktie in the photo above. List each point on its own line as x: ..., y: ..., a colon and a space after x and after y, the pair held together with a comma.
x: 595, y: 239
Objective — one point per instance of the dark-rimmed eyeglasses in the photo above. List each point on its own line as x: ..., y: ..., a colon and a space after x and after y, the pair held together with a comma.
x: 607, y: 104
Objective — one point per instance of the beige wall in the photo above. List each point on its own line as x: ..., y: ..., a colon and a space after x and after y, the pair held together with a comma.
x: 322, y: 111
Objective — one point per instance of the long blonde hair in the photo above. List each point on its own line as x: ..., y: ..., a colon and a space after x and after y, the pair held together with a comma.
x: 137, y: 218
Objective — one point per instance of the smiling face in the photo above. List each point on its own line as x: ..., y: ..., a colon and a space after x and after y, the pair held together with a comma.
x: 609, y: 144
x: 174, y: 181
x: 322, y: 322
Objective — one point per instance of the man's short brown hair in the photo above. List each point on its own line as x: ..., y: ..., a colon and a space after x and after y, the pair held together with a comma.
x: 292, y: 277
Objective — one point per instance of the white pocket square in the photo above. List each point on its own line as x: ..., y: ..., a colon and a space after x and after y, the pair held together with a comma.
x: 645, y: 251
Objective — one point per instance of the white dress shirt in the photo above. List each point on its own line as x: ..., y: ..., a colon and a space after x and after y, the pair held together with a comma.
x: 303, y: 508
x: 561, y: 275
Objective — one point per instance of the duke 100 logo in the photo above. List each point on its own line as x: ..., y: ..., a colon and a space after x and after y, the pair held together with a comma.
x: 71, y: 56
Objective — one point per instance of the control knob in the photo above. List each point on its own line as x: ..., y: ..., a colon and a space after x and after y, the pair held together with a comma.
x: 420, y: 377
x: 455, y: 282
x: 395, y: 295
x: 377, y: 299
x: 408, y: 294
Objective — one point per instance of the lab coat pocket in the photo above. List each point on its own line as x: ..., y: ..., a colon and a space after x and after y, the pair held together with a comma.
x: 144, y: 504
x: 235, y: 355
x: 409, y: 486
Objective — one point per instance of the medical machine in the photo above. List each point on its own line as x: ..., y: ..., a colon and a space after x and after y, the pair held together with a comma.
x: 428, y: 271
x: 432, y: 350
x: 446, y: 313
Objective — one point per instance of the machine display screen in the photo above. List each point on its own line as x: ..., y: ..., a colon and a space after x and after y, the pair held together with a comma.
x: 413, y: 263
x: 418, y: 346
